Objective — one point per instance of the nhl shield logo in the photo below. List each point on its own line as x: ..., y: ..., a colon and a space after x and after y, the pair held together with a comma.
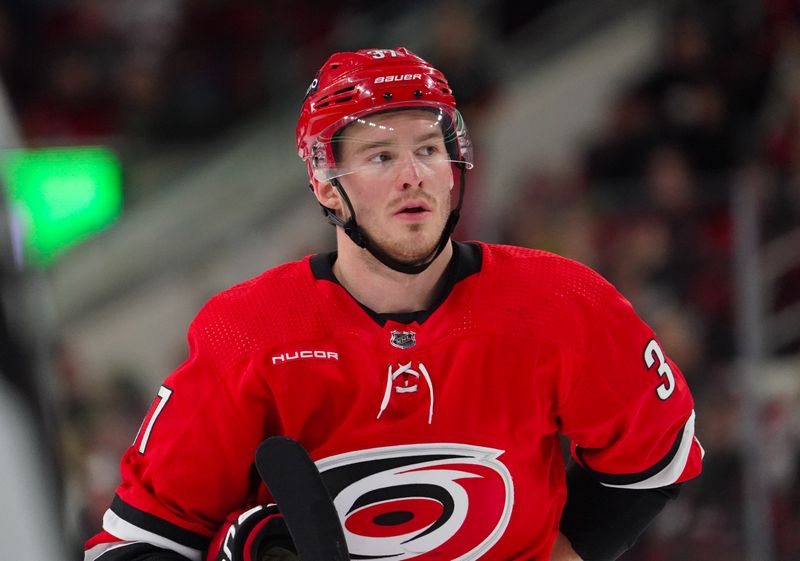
x: 403, y: 339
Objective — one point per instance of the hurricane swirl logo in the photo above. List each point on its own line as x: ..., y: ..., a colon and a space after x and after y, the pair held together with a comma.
x: 423, y: 501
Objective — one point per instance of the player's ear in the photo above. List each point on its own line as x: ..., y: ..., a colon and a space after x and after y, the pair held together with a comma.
x: 326, y: 194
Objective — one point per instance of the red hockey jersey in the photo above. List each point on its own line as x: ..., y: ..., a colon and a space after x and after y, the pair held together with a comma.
x: 436, y: 433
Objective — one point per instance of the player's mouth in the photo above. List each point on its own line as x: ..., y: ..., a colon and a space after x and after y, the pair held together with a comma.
x: 413, y: 211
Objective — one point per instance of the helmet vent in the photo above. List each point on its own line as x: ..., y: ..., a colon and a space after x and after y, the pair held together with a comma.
x: 336, y: 97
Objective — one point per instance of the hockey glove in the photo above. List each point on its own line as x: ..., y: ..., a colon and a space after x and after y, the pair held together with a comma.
x: 258, y: 534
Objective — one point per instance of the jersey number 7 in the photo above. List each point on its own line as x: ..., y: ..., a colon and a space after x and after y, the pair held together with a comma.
x: 164, y: 393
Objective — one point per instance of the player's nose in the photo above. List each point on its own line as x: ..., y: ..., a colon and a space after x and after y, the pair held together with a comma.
x: 410, y: 172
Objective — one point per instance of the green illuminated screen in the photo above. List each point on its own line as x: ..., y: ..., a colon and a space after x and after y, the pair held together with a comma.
x: 61, y: 196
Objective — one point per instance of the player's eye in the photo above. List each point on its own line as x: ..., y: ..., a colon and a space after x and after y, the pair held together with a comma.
x: 428, y: 150
x: 379, y: 158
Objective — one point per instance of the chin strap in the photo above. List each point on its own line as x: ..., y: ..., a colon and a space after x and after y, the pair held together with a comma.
x: 360, y: 238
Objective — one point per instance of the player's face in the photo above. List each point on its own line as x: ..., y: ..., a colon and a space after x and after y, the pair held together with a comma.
x: 399, y: 181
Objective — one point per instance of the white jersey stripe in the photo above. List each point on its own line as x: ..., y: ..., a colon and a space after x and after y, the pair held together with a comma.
x: 671, y: 471
x: 128, y: 532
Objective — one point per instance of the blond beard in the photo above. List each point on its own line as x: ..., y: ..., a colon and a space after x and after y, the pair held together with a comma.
x: 408, y: 251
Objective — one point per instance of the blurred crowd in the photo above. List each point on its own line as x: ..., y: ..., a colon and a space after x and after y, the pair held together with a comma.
x: 647, y: 203
x: 165, y: 70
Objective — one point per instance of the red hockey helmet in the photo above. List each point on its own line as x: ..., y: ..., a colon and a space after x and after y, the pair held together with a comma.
x: 351, y: 85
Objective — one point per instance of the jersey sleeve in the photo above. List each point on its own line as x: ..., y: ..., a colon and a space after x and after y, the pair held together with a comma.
x: 623, y: 403
x: 190, y: 464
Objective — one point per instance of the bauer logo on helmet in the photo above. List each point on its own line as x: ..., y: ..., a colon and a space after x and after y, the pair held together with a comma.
x: 397, y: 78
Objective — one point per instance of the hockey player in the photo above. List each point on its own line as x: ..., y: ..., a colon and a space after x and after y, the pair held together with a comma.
x: 429, y: 379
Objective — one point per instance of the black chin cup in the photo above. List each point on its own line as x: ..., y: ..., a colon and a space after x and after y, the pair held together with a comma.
x: 360, y: 238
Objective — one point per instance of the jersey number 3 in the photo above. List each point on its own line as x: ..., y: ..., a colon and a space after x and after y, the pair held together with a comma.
x: 653, y: 353
x: 164, y: 393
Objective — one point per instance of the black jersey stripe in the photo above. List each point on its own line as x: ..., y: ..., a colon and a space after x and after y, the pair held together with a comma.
x: 622, y: 479
x: 156, y: 525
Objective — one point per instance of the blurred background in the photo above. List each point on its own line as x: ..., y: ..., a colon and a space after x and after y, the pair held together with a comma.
x: 148, y: 162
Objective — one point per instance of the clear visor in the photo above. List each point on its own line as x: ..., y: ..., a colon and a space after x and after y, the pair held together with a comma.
x: 421, y: 140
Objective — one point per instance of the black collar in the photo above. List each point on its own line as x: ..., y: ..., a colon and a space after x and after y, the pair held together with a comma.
x: 466, y: 261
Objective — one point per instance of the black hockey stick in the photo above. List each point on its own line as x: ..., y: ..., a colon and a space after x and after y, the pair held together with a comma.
x: 296, y: 485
